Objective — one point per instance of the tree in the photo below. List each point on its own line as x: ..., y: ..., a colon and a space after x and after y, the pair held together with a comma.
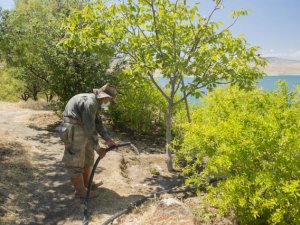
x: 21, y: 42
x: 30, y: 35
x: 172, y: 39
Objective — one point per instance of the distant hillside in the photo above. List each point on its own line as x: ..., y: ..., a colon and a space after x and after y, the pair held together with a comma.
x: 279, y: 66
x: 281, y: 60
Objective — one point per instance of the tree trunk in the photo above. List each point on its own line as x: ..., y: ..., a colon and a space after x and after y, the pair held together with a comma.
x: 25, y: 96
x: 34, y: 90
x: 49, y: 97
x: 187, y: 108
x: 34, y: 95
x: 169, y: 159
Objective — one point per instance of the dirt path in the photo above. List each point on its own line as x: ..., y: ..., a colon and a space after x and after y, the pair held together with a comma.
x: 44, y: 192
x: 35, y: 188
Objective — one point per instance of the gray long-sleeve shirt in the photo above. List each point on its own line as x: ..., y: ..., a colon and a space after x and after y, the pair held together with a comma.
x: 86, y: 109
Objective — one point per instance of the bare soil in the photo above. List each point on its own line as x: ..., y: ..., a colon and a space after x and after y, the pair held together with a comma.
x: 35, y: 188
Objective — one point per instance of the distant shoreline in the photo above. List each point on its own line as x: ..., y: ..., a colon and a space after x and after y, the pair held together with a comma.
x: 268, y: 75
x: 277, y: 75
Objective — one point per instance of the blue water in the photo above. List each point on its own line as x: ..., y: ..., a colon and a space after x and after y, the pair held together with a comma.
x: 267, y: 83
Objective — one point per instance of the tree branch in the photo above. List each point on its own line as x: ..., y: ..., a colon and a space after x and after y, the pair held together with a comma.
x: 156, y: 31
x: 178, y: 84
x: 227, y: 28
x: 197, y: 37
x: 189, y: 92
x: 36, y: 74
x: 213, y: 11
x: 158, y: 87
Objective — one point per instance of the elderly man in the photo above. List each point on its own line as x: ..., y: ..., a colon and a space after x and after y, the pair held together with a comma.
x: 81, y: 126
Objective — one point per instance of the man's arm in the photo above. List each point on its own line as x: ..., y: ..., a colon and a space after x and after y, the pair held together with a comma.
x: 101, y: 128
x: 103, y: 131
x: 88, y: 119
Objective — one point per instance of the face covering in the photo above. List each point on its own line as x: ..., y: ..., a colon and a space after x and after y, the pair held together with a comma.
x: 105, y: 105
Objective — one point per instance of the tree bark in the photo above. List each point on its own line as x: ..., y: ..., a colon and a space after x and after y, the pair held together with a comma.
x: 34, y: 89
x: 34, y: 95
x: 169, y: 159
x: 187, y: 108
x: 25, y: 96
x: 49, y: 96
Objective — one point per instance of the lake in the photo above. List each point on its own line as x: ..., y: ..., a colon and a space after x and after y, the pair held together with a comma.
x: 267, y: 83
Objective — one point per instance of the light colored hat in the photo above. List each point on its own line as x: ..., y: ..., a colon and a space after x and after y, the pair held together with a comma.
x: 107, y: 91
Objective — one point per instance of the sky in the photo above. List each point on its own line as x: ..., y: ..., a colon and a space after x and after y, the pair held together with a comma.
x: 274, y: 25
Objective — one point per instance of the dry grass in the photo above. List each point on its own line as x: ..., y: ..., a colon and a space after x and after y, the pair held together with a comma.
x: 35, y: 105
x: 207, y: 214
x: 139, y: 216
x: 46, y: 121
x: 15, y: 171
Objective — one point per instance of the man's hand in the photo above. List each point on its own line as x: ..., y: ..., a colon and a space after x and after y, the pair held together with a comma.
x: 110, y: 143
x: 101, y: 152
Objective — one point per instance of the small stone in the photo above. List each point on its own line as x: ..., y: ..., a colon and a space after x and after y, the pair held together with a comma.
x: 39, y: 218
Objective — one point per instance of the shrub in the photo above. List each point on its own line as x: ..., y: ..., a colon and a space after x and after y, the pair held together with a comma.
x: 140, y: 107
x: 252, y: 140
x: 11, y: 89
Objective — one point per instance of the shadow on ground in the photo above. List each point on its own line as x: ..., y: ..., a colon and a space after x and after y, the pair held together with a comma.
x: 108, y: 202
x: 32, y: 194
x: 46, y: 138
x: 48, y: 133
x: 165, y: 182
x: 47, y: 127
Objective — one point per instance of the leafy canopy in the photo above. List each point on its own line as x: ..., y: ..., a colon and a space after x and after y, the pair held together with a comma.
x: 30, y: 35
x: 169, y: 38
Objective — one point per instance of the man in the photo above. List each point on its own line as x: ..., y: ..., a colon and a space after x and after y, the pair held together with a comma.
x: 80, y: 127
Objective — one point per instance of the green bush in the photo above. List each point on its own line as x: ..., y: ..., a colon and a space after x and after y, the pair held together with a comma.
x: 140, y: 107
x: 11, y: 89
x: 252, y: 141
